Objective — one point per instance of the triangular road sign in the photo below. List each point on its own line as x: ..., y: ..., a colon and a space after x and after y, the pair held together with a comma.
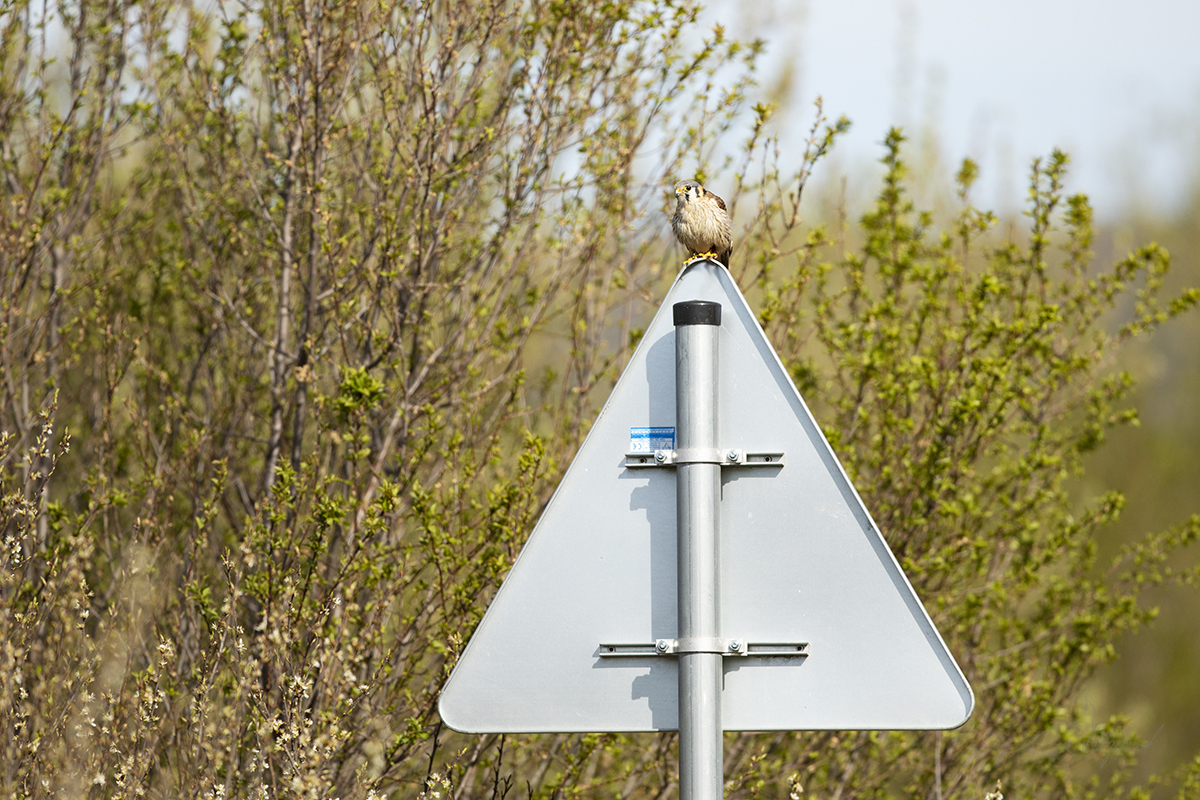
x: 801, y: 561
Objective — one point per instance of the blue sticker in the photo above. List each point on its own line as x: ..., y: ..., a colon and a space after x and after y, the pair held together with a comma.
x: 647, y: 440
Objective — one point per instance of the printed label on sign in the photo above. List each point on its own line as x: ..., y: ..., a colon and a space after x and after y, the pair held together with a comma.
x: 647, y: 440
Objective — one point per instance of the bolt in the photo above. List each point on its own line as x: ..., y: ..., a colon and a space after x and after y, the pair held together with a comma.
x: 735, y: 646
x: 733, y: 455
x: 662, y: 645
x: 660, y: 456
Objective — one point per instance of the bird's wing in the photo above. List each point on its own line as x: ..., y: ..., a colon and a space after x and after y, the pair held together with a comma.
x: 722, y: 256
x: 720, y: 202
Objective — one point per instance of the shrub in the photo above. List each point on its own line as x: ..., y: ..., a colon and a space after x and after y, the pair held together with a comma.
x: 326, y: 295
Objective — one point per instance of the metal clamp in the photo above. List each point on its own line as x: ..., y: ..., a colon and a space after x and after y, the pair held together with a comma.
x: 724, y: 647
x: 732, y: 457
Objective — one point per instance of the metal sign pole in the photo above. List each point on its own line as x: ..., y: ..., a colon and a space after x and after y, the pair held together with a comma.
x: 698, y: 488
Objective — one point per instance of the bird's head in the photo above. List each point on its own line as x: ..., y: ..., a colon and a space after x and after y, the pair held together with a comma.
x: 688, y: 191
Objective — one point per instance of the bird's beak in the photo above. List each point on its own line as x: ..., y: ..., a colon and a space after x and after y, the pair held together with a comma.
x: 679, y: 192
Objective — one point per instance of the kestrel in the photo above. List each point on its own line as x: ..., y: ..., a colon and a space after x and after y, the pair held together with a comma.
x: 701, y: 223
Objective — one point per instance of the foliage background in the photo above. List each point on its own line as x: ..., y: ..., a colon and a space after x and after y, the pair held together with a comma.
x: 306, y: 306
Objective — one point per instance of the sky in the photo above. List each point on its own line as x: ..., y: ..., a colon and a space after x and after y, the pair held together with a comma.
x: 1115, y: 84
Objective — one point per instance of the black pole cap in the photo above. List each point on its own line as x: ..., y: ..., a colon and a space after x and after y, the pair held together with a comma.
x: 697, y: 312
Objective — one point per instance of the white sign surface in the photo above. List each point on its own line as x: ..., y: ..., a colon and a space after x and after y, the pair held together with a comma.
x: 801, y: 561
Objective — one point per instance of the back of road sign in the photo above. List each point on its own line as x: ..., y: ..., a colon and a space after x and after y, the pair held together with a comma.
x: 801, y: 561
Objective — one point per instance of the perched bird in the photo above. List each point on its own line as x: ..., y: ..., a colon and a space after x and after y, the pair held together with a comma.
x: 701, y: 223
